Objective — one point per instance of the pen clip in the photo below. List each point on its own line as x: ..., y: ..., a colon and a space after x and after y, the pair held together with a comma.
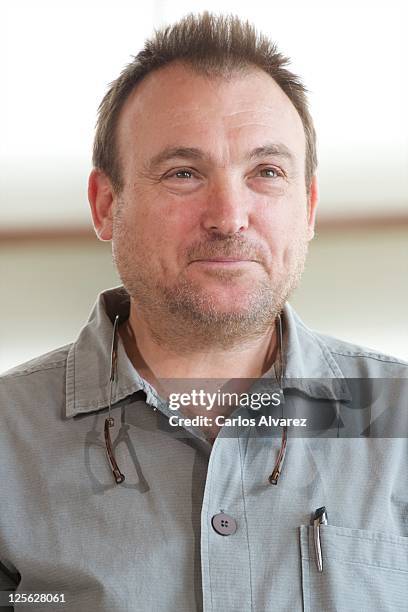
x: 319, y: 518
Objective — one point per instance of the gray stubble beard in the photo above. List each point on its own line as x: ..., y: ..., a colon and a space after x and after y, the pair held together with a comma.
x: 186, y: 319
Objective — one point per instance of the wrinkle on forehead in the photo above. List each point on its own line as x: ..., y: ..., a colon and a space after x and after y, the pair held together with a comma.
x: 249, y: 116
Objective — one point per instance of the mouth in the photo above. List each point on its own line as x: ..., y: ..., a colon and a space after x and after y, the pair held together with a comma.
x: 223, y: 261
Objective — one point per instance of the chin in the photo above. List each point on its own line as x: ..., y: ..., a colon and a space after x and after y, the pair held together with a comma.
x: 234, y: 300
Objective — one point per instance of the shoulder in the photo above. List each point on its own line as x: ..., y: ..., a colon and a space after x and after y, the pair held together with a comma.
x: 52, y: 360
x: 36, y: 381
x: 360, y: 361
x: 34, y: 392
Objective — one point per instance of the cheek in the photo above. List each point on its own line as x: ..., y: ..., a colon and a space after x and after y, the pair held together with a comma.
x: 163, y: 215
x: 285, y: 229
x: 165, y: 228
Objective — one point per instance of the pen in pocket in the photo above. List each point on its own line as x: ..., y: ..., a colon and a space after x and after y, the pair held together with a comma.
x: 319, y: 518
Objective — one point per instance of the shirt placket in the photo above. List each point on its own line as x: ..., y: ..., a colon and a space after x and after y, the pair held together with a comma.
x: 225, y: 558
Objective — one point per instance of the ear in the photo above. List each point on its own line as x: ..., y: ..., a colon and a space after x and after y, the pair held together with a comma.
x: 100, y: 196
x: 313, y: 199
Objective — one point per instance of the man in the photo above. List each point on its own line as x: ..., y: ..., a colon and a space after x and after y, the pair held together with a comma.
x: 204, y: 181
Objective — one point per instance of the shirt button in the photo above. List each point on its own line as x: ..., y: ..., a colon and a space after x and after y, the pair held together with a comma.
x: 224, y: 524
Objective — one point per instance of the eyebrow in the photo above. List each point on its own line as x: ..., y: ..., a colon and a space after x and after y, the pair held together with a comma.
x: 193, y: 153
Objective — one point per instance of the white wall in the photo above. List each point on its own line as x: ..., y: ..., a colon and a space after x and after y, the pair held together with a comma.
x: 356, y: 287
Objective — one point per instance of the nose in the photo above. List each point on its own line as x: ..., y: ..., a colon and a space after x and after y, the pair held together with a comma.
x: 225, y: 210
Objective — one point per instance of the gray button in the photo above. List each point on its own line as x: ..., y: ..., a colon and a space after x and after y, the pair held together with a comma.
x: 224, y: 524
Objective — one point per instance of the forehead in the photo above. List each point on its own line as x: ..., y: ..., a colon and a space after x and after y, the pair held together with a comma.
x: 176, y: 106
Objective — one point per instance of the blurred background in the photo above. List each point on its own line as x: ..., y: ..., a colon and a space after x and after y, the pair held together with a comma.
x: 57, y: 60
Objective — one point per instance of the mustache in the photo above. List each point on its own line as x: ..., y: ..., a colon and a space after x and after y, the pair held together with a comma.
x: 231, y: 246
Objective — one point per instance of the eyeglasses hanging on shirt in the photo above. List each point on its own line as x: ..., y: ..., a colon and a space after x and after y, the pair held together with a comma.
x: 110, y: 421
x: 276, y: 472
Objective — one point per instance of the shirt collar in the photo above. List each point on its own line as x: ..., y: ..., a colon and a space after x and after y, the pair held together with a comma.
x: 88, y: 361
x: 309, y: 364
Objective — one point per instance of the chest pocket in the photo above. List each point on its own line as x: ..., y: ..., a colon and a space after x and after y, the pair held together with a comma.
x: 362, y: 571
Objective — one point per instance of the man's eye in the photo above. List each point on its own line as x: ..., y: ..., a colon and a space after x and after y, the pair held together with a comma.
x: 182, y: 174
x: 270, y: 173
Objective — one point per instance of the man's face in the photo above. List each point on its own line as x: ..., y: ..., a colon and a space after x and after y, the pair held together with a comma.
x: 213, y: 222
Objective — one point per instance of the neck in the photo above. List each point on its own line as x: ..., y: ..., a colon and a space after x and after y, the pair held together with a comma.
x: 155, y: 358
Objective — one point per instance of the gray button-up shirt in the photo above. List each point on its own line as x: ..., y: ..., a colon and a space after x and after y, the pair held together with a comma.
x: 148, y: 544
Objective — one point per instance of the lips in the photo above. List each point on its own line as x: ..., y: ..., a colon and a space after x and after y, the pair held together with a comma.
x: 223, y: 259
x: 227, y: 251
